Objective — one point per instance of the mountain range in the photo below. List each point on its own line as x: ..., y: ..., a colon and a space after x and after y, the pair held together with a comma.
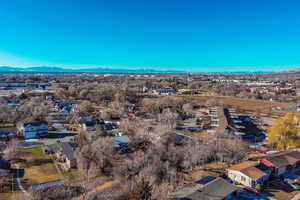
x: 49, y: 69
x: 291, y: 71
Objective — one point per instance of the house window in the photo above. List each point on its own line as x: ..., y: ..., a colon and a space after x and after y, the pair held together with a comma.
x: 289, y: 167
x: 243, y: 178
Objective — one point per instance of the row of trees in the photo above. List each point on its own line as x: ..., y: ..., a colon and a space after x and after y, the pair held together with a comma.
x: 33, y: 109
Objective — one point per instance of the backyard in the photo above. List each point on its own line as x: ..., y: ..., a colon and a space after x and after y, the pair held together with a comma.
x: 38, y: 167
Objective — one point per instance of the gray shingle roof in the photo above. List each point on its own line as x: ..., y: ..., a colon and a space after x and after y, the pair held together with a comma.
x: 217, y: 189
x: 65, y: 148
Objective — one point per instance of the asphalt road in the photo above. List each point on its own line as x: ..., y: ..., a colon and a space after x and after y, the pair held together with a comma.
x: 63, y: 137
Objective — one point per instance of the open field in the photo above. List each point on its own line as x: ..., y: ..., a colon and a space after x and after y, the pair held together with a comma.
x: 245, y: 104
x: 38, y: 167
x: 71, y: 175
x: 6, y: 196
x: 211, y: 169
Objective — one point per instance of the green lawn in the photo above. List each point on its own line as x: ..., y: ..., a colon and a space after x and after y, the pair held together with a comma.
x: 38, y: 151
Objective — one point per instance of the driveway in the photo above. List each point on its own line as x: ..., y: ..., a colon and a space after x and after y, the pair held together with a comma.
x: 63, y: 137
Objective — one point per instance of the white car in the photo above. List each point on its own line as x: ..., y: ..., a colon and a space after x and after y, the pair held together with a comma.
x: 292, y: 183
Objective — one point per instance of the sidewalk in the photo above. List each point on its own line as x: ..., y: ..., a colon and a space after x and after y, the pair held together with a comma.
x: 20, y: 184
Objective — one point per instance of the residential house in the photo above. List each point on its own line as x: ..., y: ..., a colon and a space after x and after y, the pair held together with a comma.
x: 64, y: 153
x: 282, y: 162
x: 216, y: 189
x: 88, y: 126
x: 187, y: 91
x: 120, y: 142
x: 63, y: 108
x: 248, y: 173
x: 13, y: 105
x: 166, y: 91
x: 5, y: 167
x: 49, y: 97
x: 87, y: 119
x: 34, y: 130
x: 7, y: 132
x: 130, y: 107
x: 189, y: 128
x: 108, y: 125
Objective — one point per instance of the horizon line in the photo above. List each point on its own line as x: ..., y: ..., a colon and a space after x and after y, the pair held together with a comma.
x: 133, y: 68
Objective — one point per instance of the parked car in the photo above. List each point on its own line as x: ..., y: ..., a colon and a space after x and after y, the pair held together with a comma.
x: 292, y: 183
x: 246, y: 195
x: 252, y: 190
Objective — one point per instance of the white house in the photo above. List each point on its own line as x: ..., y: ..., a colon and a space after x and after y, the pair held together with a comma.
x: 248, y: 174
x: 166, y: 91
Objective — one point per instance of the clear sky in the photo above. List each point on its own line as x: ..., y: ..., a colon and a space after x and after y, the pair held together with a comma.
x: 196, y: 35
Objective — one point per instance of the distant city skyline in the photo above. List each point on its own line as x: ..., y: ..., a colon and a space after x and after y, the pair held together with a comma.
x: 194, y: 35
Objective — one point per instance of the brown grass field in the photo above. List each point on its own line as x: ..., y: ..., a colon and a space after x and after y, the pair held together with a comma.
x: 235, y: 102
x: 245, y: 104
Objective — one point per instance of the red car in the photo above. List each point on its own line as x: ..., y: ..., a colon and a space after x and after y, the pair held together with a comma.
x: 252, y: 190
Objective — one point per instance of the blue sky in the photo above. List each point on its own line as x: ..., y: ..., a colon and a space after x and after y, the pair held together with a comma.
x: 195, y: 35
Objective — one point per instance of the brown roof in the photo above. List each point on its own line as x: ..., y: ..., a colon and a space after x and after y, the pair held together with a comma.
x: 248, y: 168
x: 285, y: 158
x: 253, y: 173
x: 243, y: 165
x: 294, y: 154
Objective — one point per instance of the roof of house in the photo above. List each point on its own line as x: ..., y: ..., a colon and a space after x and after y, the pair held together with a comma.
x: 253, y: 173
x: 37, y: 123
x: 65, y: 148
x: 243, y: 165
x: 119, y: 140
x: 8, y: 131
x: 90, y: 123
x: 216, y: 189
x: 165, y: 90
x: 4, y: 164
x: 249, y: 169
x: 61, y: 105
x: 283, y: 159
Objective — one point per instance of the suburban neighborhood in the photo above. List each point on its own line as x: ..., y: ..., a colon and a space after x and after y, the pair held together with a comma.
x: 149, y: 100
x: 177, y: 143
